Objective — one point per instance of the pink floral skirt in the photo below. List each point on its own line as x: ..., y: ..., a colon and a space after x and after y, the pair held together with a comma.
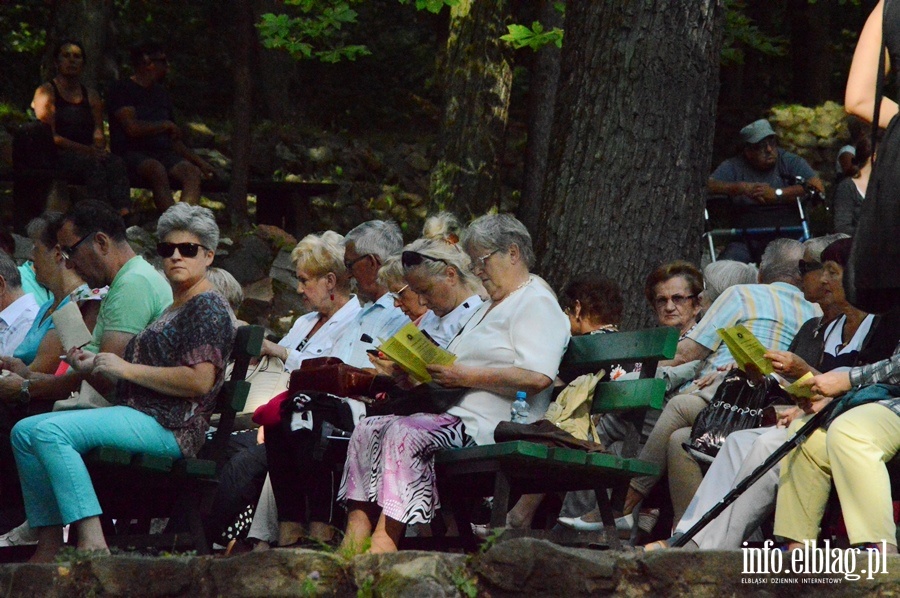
x: 390, y: 461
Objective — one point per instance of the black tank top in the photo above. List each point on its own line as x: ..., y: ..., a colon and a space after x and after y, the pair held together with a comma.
x: 74, y: 121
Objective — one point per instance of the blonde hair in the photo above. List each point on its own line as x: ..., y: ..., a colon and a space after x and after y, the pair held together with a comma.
x: 321, y: 254
x: 444, y: 255
x: 443, y: 226
x: 391, y: 272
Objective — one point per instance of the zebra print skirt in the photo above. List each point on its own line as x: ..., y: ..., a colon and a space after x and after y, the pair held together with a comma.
x: 390, y: 461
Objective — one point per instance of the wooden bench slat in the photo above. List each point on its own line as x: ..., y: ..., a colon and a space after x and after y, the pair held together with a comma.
x: 195, y: 468
x: 590, y: 352
x: 625, y: 395
x: 518, y: 448
x: 109, y: 455
x: 566, y: 455
x: 158, y: 463
x: 639, y: 467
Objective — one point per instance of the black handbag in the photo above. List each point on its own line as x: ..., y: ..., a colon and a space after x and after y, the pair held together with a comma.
x: 739, y: 404
x: 872, y: 275
x: 424, y: 398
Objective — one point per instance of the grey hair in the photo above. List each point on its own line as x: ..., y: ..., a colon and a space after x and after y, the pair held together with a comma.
x: 9, y: 271
x: 780, y: 262
x: 196, y: 220
x: 442, y: 226
x: 227, y: 286
x: 391, y: 272
x: 722, y: 274
x: 381, y: 238
x: 817, y: 245
x: 499, y: 232
x: 453, y: 257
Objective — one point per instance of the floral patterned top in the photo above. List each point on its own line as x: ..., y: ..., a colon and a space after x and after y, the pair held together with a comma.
x: 199, y: 331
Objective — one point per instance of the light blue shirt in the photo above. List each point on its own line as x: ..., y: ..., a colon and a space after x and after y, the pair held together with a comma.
x: 772, y: 312
x: 379, y: 320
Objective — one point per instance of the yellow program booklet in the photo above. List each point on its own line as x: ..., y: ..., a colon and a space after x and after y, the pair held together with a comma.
x: 412, y: 351
x: 803, y: 392
x: 745, y: 348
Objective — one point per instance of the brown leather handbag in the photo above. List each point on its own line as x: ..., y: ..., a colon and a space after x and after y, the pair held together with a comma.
x: 331, y: 375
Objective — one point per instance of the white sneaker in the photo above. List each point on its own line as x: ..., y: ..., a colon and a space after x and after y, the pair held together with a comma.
x: 22, y: 535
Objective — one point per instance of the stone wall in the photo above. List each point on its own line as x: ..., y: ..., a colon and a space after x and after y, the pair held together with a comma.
x: 520, y: 567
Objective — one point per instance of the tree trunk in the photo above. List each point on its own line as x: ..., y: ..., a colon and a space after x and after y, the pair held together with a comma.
x: 541, y: 97
x: 86, y: 21
x: 245, y: 39
x: 275, y: 71
x: 632, y: 140
x: 477, y: 81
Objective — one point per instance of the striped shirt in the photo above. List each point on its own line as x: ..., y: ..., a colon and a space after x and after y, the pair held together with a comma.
x: 378, y: 320
x: 886, y: 371
x: 772, y: 312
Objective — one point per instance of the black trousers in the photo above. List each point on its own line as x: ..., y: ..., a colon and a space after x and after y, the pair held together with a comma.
x: 305, y: 488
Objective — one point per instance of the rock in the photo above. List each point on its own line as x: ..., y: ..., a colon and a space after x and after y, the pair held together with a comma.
x: 283, y: 269
x: 216, y: 158
x: 277, y: 237
x: 121, y: 576
x: 321, y: 154
x: 261, y: 291
x: 249, y: 261
x: 520, y: 567
x: 197, y: 135
x: 280, y: 573
x: 143, y: 243
x: 411, y: 574
x: 418, y: 161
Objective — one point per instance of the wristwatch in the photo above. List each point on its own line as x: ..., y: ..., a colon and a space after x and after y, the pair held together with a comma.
x: 779, y: 193
x: 24, y: 393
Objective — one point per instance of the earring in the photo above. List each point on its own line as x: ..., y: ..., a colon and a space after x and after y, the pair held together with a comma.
x: 332, y: 296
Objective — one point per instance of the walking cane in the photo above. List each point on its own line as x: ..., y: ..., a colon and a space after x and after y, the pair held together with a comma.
x: 808, y: 428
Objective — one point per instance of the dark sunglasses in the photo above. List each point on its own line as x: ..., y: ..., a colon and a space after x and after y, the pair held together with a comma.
x: 184, y: 249
x: 68, y: 252
x: 411, y: 259
x: 807, y: 267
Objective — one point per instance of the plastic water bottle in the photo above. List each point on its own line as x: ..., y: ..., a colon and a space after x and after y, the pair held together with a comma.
x: 520, y: 409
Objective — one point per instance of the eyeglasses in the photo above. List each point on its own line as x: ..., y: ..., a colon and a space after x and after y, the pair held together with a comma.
x: 69, y: 252
x: 678, y: 300
x: 184, y: 249
x: 411, y: 259
x: 759, y: 146
x: 807, y: 267
x: 395, y: 295
x: 349, y: 265
x: 479, y: 262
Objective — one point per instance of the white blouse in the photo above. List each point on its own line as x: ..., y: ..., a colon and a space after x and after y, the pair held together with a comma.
x: 442, y: 330
x: 527, y: 330
x: 322, y: 342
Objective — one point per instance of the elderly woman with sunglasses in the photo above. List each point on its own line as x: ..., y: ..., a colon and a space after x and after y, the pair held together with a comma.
x: 166, y: 389
x: 513, y: 342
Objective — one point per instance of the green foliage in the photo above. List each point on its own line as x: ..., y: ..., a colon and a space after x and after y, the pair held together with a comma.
x: 534, y: 37
x: 741, y: 33
x: 314, y: 31
x: 432, y: 6
x: 466, y: 583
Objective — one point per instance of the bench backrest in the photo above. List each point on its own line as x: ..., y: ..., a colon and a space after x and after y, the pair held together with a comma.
x: 231, y: 399
x: 592, y: 352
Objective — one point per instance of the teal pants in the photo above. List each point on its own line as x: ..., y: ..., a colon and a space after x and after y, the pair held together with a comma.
x: 49, y: 447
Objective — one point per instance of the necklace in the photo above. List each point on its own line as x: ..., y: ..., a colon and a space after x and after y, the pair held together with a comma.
x: 518, y: 288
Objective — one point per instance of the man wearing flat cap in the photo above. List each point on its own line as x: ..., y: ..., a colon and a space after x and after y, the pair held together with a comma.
x: 761, y: 182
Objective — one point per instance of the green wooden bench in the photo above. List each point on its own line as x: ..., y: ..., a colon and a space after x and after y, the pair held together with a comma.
x: 510, y: 468
x: 134, y: 488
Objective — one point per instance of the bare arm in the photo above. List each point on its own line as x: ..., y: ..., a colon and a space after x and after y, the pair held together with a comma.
x: 44, y: 106
x: 504, y: 381
x: 688, y: 350
x: 716, y: 187
x: 47, y: 358
x: 859, y: 98
x: 179, y: 381
x: 97, y: 111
